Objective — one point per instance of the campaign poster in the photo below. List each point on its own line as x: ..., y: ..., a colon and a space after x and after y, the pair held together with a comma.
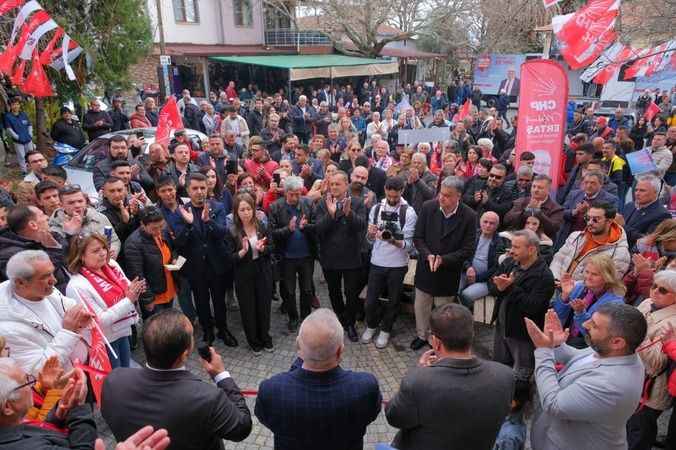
x: 663, y: 80
x: 542, y: 115
x: 494, y: 72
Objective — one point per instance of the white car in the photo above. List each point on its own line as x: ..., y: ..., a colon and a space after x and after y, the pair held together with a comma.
x: 80, y: 168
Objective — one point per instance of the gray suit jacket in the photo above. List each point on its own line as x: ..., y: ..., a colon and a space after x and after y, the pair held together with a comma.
x: 454, y: 402
x: 587, y: 404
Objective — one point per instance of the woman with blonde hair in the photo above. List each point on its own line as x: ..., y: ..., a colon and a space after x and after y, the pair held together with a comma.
x: 577, y: 301
x: 100, y: 284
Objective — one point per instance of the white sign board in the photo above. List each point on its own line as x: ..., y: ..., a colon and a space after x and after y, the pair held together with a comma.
x: 410, y: 137
x: 165, y: 60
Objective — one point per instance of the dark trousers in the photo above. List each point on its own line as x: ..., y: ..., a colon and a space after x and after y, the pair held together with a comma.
x: 301, y: 268
x: 642, y: 429
x: 254, y: 295
x: 380, y: 278
x: 209, y: 288
x: 335, y: 279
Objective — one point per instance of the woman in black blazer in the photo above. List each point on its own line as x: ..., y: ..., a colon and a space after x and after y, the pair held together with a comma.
x: 253, y: 247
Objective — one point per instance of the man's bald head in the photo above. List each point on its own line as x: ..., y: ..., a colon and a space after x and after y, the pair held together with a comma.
x: 320, y: 340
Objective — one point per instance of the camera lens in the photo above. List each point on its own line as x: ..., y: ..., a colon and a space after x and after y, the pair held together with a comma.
x: 387, y: 235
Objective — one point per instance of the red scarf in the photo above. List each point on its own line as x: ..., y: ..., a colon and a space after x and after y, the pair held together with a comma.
x: 111, y: 287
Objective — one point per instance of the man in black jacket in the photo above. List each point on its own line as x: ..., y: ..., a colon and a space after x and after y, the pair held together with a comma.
x: 377, y: 177
x: 164, y: 394
x: 96, y: 122
x: 120, y: 208
x: 444, y: 238
x: 119, y: 118
x: 494, y: 196
x: 28, y: 229
x: 70, y: 425
x: 522, y: 286
x: 293, y: 233
x: 255, y: 118
x: 68, y: 131
x: 340, y: 223
x: 118, y: 151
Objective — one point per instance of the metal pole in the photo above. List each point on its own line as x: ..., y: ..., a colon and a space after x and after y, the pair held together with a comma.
x: 163, y: 50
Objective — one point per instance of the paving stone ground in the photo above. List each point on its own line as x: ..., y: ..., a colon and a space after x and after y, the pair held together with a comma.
x: 388, y: 365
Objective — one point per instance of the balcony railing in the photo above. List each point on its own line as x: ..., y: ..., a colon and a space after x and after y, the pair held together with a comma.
x: 293, y: 38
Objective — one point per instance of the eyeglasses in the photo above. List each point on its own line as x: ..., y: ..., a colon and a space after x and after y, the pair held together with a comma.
x: 592, y: 219
x: 524, y: 180
x: 30, y: 380
x: 497, y: 177
x: 661, y: 289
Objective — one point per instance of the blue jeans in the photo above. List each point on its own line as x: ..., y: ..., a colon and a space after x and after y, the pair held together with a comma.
x: 123, y: 349
x: 471, y: 293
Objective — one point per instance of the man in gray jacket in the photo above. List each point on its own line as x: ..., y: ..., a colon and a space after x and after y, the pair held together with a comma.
x: 454, y: 399
x: 586, y: 405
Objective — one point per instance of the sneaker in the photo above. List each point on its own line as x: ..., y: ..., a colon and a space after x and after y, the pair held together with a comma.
x: 418, y: 343
x: 367, y: 336
x: 256, y: 351
x: 383, y: 339
x: 269, y: 348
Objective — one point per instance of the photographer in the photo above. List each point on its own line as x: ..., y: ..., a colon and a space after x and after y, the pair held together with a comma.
x: 390, y: 229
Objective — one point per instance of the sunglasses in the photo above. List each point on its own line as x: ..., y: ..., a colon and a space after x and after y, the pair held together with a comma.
x: 592, y: 219
x: 497, y: 177
x: 30, y: 380
x: 661, y: 289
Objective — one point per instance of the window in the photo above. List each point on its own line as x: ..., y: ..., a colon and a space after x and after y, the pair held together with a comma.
x: 186, y: 11
x: 243, y: 13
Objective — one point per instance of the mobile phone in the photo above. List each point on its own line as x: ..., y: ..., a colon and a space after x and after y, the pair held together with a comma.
x: 231, y: 167
x: 205, y: 352
x: 277, y: 178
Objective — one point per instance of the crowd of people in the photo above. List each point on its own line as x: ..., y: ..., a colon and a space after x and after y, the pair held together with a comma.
x: 178, y: 238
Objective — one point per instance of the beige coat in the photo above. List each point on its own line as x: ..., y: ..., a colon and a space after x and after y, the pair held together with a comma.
x: 654, y: 360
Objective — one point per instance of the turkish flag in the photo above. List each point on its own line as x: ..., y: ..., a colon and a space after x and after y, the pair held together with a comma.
x: 651, y: 111
x: 8, y: 5
x: 170, y: 119
x: 18, y: 77
x: 48, y: 53
x: 464, y: 111
x: 37, y: 84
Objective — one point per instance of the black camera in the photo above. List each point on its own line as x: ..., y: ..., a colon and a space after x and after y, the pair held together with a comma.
x: 389, y: 225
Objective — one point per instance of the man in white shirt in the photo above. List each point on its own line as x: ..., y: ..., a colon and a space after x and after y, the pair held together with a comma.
x: 38, y: 322
x: 392, y: 243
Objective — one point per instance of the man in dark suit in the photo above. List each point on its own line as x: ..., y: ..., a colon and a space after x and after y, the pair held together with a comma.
x: 340, y: 227
x: 197, y: 415
x: 510, y: 84
x: 444, y: 237
x: 453, y: 396
x: 208, y: 257
x: 641, y: 217
x: 318, y: 404
x: 377, y: 176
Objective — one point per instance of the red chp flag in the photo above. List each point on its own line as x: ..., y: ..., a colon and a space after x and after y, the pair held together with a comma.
x: 542, y: 115
x: 651, y: 111
x: 8, y: 5
x: 170, y: 119
x: 587, y: 33
x: 37, y: 84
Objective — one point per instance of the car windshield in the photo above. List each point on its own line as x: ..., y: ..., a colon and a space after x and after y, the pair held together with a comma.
x: 97, y: 150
